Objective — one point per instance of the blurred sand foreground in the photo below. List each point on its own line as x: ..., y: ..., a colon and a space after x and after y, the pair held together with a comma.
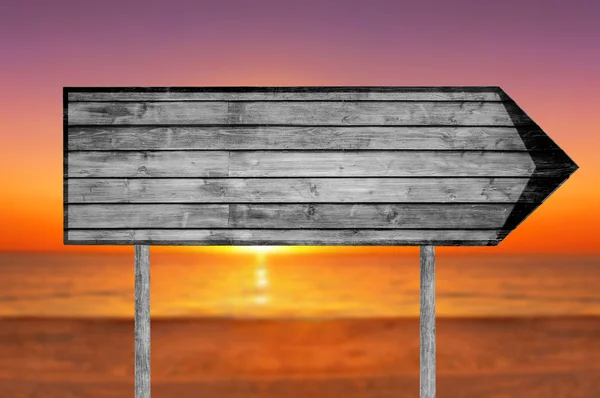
x: 511, y: 357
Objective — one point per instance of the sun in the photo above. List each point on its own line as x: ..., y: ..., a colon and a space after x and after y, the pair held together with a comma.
x: 260, y: 249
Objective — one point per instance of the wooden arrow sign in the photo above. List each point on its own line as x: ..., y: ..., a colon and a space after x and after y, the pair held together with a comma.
x: 302, y: 166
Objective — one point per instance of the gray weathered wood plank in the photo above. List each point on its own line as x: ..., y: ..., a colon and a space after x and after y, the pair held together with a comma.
x: 148, y: 164
x: 300, y: 164
x: 385, y: 164
x: 338, y: 237
x: 302, y: 190
x: 148, y: 216
x: 459, y: 216
x: 398, y: 164
x: 290, y: 137
x: 298, y: 113
x: 142, y: 320
x: 295, y: 94
x: 427, y: 323
x: 289, y: 216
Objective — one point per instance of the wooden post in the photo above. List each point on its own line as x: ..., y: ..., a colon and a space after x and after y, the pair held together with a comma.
x: 427, y: 320
x: 142, y: 321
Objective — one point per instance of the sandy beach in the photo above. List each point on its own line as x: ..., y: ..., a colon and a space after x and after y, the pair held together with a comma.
x: 300, y: 326
x: 378, y: 358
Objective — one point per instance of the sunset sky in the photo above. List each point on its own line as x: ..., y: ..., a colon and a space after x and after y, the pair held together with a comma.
x: 546, y: 58
x: 520, y: 319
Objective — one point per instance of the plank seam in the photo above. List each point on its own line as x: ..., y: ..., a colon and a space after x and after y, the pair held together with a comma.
x: 164, y: 89
x: 274, y: 229
x: 283, y: 100
x: 301, y: 177
x: 294, y: 203
x: 136, y: 125
x: 287, y: 150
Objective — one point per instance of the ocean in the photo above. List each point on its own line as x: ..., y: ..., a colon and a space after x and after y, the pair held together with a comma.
x: 290, y: 285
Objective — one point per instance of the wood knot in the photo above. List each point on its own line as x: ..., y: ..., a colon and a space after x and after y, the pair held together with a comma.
x: 311, y: 211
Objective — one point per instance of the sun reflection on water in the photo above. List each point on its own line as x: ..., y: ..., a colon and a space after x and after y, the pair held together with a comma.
x: 261, y: 276
x: 261, y: 299
x: 265, y: 283
x: 262, y: 280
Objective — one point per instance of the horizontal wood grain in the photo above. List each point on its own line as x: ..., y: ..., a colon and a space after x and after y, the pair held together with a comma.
x: 241, y: 237
x: 297, y: 113
x: 457, y: 216
x: 148, y: 216
x: 289, y: 93
x: 301, y: 164
x: 148, y: 164
x: 313, y: 190
x: 288, y: 216
x: 387, y: 164
x: 290, y: 137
